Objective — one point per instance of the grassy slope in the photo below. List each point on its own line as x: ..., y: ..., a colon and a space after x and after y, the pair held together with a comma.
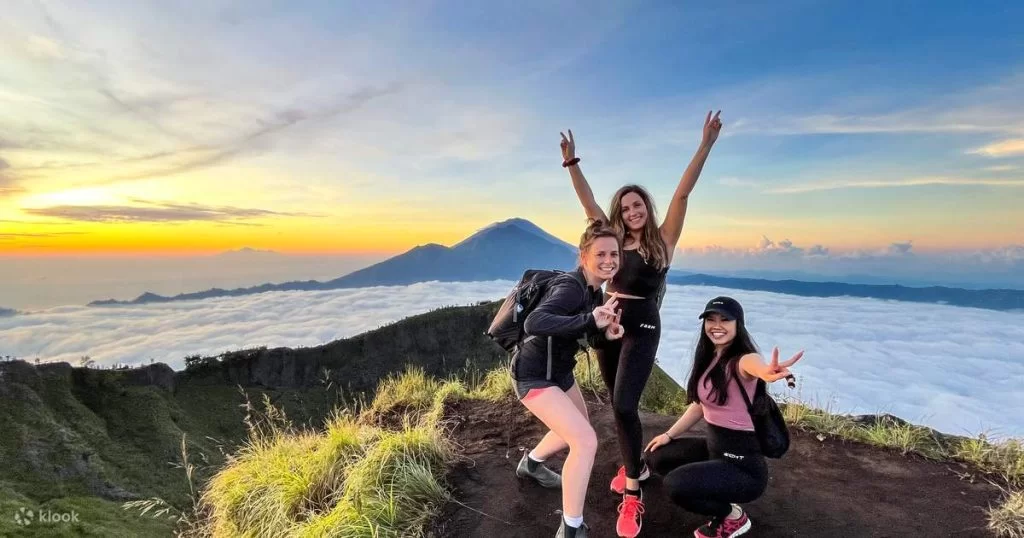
x: 94, y: 438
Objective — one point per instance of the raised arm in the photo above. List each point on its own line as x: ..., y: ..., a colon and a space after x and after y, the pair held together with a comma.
x: 672, y: 226
x: 583, y: 192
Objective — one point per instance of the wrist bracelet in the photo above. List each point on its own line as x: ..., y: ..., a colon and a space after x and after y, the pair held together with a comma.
x: 669, y: 436
x: 570, y: 162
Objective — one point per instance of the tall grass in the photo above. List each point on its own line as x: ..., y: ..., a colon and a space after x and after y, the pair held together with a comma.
x: 411, y: 391
x: 494, y: 387
x: 1004, y: 458
x: 903, y: 436
x: 1007, y: 519
x: 355, y: 478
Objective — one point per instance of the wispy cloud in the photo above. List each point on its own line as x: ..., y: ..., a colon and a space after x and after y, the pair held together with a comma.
x: 988, y: 108
x: 732, y: 181
x: 166, y: 163
x: 1001, y: 168
x: 1013, y: 146
x: 834, y: 184
x: 12, y: 236
x: 31, y: 222
x: 157, y: 212
x: 8, y: 182
x: 900, y: 249
x: 917, y: 121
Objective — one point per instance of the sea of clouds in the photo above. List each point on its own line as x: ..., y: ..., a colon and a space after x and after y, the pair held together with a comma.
x: 959, y: 370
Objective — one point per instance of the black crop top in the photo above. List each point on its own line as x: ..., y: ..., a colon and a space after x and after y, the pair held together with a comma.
x: 635, y: 277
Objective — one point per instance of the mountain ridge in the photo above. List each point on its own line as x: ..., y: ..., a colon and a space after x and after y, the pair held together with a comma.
x: 503, y: 250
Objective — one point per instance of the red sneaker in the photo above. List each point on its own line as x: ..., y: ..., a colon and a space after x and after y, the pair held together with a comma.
x: 724, y: 528
x: 618, y: 486
x: 630, y: 511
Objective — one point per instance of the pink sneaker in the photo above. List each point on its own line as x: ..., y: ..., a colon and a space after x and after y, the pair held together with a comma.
x: 630, y: 511
x: 618, y: 486
x: 724, y: 528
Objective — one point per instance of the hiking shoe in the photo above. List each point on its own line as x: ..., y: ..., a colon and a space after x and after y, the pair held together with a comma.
x: 544, y: 476
x: 724, y: 528
x: 630, y: 511
x: 618, y: 486
x: 565, y: 531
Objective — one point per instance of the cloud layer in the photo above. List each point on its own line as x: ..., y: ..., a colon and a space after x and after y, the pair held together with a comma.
x: 899, y: 262
x: 155, y: 212
x: 951, y: 368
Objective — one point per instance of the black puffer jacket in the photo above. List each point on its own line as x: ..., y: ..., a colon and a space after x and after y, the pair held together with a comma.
x: 558, y: 328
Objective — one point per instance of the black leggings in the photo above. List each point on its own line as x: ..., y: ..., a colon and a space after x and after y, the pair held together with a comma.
x: 626, y: 365
x: 706, y: 475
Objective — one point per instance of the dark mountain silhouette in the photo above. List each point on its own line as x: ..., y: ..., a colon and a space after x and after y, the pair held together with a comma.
x: 502, y: 251
x: 990, y: 299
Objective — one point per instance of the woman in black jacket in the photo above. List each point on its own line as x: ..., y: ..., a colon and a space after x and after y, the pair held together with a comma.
x: 569, y: 312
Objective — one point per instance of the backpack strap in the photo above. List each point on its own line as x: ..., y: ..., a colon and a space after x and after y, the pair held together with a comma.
x: 569, y: 275
x: 743, y: 391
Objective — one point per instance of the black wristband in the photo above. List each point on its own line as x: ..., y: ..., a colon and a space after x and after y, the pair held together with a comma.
x: 570, y: 162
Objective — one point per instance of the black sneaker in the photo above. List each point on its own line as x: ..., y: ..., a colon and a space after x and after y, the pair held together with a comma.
x: 544, y: 476
x: 565, y: 531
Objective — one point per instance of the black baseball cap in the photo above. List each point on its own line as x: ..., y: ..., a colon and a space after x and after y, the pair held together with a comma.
x: 726, y: 306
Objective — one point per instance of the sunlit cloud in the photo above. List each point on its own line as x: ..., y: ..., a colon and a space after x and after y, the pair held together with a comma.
x: 1005, y: 148
x: 836, y: 184
x: 8, y: 236
x: 156, y: 212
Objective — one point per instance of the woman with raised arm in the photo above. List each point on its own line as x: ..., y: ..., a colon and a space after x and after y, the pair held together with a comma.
x: 711, y: 474
x: 542, y: 371
x: 647, y: 253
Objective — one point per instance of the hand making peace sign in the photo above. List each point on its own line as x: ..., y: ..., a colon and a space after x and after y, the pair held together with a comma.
x: 779, y: 370
x: 712, y: 126
x: 568, y: 147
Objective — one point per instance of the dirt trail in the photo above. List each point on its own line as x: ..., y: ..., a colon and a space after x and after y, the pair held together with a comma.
x: 820, y: 489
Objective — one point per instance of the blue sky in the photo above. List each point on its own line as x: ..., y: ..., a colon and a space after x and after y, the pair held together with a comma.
x: 348, y: 127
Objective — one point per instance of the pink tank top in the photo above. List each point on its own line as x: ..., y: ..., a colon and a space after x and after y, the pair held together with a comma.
x: 733, y: 415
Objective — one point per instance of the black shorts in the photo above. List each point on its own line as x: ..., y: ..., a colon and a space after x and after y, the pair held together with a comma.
x: 523, y: 386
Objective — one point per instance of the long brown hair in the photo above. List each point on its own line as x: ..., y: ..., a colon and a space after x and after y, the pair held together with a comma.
x: 652, y: 246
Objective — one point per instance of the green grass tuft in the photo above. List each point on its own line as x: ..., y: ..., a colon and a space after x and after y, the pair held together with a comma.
x: 818, y: 420
x: 1005, y: 458
x: 353, y: 479
x: 1007, y: 519
x: 496, y: 386
x: 905, y: 437
x: 411, y: 391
